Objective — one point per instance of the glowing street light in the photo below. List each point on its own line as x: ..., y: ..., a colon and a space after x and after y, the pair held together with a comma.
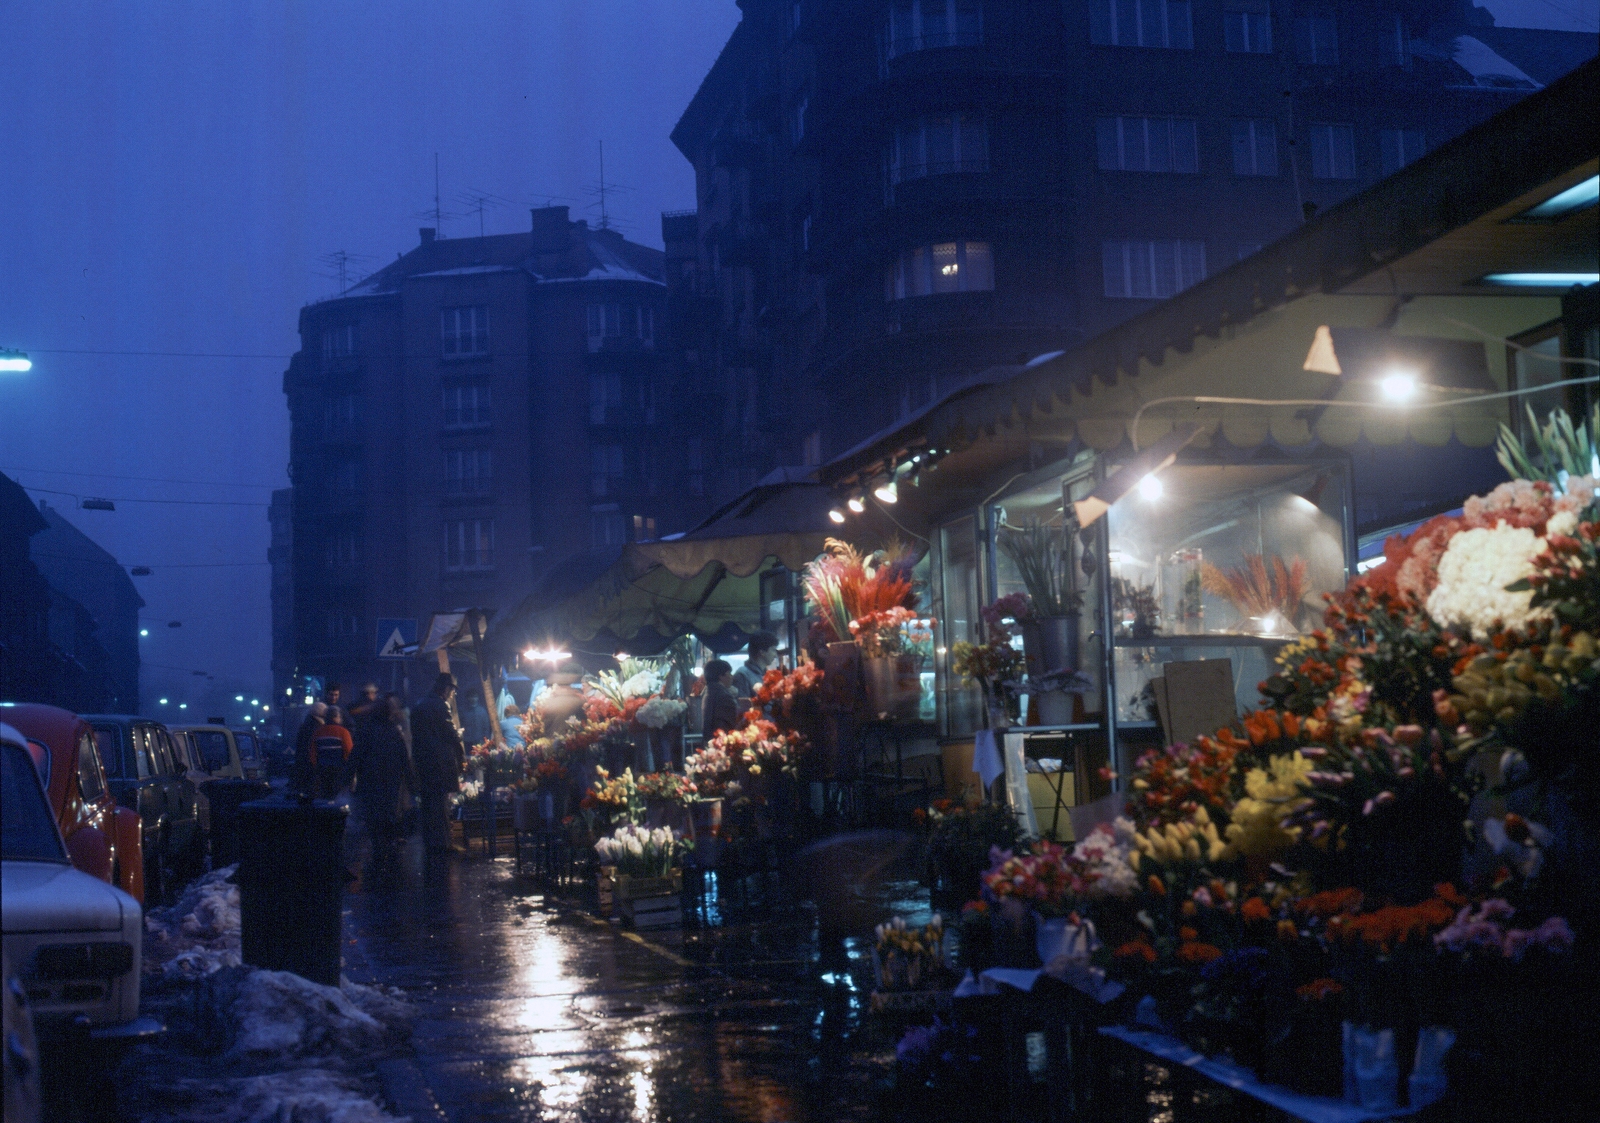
x: 15, y: 362
x: 550, y: 655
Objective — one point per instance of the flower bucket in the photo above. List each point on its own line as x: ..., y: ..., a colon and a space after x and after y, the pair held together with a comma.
x: 667, y: 813
x: 706, y: 817
x: 651, y: 902
x: 1051, y: 937
x: 1051, y: 644
x: 894, y: 686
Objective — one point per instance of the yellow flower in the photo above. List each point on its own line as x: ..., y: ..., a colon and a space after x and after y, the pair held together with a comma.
x: 1257, y: 830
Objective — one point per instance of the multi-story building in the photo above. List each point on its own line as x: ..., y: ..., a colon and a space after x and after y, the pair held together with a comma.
x: 280, y: 560
x: 466, y: 419
x: 895, y: 196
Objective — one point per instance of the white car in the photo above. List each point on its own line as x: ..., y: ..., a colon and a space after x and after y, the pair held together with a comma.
x: 74, y: 940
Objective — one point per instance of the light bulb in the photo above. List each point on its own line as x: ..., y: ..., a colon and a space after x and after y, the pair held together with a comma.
x: 1150, y: 488
x: 1398, y: 386
x: 888, y: 493
x: 836, y: 515
x: 857, y: 504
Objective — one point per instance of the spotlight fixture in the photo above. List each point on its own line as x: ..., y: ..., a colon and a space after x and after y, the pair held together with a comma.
x: 836, y: 515
x: 857, y: 503
x: 1132, y: 474
x: 888, y: 492
x: 1150, y: 488
x: 1399, y: 386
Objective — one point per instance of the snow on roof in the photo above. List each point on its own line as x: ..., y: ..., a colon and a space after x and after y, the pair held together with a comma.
x: 468, y: 269
x: 1487, y: 67
x: 611, y: 267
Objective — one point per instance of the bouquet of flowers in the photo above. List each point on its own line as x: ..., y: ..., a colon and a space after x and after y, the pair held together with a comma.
x: 760, y: 744
x: 638, y: 852
x: 709, y: 768
x: 1043, y: 878
x: 844, y: 585
x: 906, y: 957
x: 885, y: 632
x: 621, y: 793
x: 674, y: 787
x: 779, y: 690
x: 659, y: 712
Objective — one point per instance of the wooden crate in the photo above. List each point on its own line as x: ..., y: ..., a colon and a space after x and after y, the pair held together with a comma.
x: 606, y: 886
x: 650, y: 902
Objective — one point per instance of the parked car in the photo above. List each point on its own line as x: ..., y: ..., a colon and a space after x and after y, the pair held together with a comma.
x: 224, y: 753
x: 149, y: 773
x: 102, y: 839
x: 251, y: 755
x: 21, y: 1051
x: 75, y: 944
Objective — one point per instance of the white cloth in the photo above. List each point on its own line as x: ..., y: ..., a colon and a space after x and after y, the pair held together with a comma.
x: 986, y: 760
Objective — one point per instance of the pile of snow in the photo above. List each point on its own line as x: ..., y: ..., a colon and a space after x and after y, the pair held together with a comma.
x: 199, y: 934
x: 307, y: 1095
x: 282, y: 1017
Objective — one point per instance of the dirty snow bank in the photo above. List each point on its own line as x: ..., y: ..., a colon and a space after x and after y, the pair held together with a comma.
x: 197, y: 935
x: 307, y: 1095
x: 281, y: 1016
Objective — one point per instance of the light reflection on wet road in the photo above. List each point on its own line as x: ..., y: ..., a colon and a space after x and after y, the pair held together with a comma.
x: 530, y: 1009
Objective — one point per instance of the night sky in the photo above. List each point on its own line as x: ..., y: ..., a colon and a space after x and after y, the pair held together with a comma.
x: 174, y: 174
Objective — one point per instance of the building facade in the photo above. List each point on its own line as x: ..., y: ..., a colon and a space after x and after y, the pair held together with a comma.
x: 466, y: 419
x: 895, y: 196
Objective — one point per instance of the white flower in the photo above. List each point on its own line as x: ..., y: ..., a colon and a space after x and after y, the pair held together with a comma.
x: 658, y: 713
x: 1476, y: 567
x: 1562, y: 522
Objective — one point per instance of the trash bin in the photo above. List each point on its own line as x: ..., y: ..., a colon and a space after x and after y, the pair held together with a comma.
x: 224, y: 797
x: 291, y: 886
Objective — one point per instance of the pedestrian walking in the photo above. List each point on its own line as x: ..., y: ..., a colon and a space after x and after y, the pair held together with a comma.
x: 383, y: 783
x: 437, y: 751
x: 330, y: 756
x: 301, y: 771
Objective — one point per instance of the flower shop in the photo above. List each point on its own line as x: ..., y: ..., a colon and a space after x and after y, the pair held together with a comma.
x: 1296, y: 578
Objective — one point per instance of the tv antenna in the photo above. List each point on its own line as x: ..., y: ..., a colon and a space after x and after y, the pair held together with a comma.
x: 341, y: 266
x: 604, y: 189
x: 475, y: 200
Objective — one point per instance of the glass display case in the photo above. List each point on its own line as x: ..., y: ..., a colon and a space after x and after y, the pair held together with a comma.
x: 1222, y: 561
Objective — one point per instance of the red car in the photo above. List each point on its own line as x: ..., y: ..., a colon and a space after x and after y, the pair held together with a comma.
x: 103, y: 839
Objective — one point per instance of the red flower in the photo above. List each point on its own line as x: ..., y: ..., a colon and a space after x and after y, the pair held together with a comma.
x: 1136, y: 949
x: 1255, y: 909
x: 1319, y: 990
x: 1193, y: 952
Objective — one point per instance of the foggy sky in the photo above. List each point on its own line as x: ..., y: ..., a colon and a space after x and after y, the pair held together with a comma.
x: 172, y: 174
x: 174, y: 171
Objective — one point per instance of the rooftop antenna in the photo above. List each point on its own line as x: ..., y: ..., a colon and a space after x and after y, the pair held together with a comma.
x: 603, y: 190
x: 341, y: 265
x: 476, y: 200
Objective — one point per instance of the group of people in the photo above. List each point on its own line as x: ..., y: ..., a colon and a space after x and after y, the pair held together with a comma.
x: 729, y: 692
x: 387, y: 765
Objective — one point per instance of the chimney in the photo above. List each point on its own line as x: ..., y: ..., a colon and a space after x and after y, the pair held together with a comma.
x: 427, y: 233
x: 549, y: 229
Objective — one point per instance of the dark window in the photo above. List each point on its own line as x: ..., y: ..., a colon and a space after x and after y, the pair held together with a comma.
x: 347, y: 475
x: 920, y: 25
x: 1393, y: 49
x: 1152, y: 270
x: 1255, y: 148
x: 110, y: 743
x: 339, y: 412
x: 468, y: 545
x: 605, y: 469
x: 27, y: 828
x: 1147, y: 144
x: 605, y: 396
x: 464, y: 332
x: 613, y: 323
x: 339, y: 342
x: 213, y: 746
x: 344, y: 549
x: 466, y: 407
x: 1141, y: 23
x: 607, y: 526
x: 90, y: 776
x: 1333, y: 151
x: 1400, y: 147
x: 467, y: 472
x: 1248, y: 28
x: 938, y: 146
x: 1316, y: 40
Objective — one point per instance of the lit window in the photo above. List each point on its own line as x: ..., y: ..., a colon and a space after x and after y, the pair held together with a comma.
x: 1247, y: 27
x: 1400, y: 147
x: 1141, y: 23
x: 339, y: 342
x: 464, y: 332
x: 467, y: 472
x: 466, y: 407
x: 1255, y: 148
x: 1151, y: 270
x: 938, y: 146
x: 1333, y: 151
x: 940, y: 268
x: 920, y: 25
x: 1147, y: 144
x: 468, y: 545
x: 1316, y: 40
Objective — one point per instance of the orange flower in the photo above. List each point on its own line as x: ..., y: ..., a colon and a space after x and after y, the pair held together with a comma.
x: 1197, y: 953
x: 1186, y: 933
x: 1255, y: 909
x: 1329, y: 902
x: 1188, y: 908
x: 1287, y: 930
x: 1136, y: 949
x: 1156, y: 886
x: 1262, y: 726
x: 1318, y: 990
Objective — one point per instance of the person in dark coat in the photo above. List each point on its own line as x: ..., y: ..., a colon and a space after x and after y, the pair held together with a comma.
x: 380, y: 769
x: 722, y: 705
x: 439, y: 758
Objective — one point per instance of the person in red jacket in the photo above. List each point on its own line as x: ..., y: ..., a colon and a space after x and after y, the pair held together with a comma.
x: 330, y: 756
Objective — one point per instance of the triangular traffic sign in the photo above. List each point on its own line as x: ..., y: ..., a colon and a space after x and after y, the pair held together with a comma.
x: 393, y: 647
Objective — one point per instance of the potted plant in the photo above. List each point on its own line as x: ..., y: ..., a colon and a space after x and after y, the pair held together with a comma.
x: 1043, y: 557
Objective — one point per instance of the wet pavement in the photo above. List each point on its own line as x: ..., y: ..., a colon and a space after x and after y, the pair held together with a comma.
x: 530, y: 1007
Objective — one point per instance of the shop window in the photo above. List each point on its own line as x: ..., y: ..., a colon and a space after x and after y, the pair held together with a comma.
x: 1147, y: 144
x: 1255, y: 147
x: 1316, y: 40
x: 1247, y: 27
x: 467, y: 471
x: 1141, y: 23
x: 1400, y: 147
x: 1333, y: 152
x: 1152, y: 270
x: 339, y: 342
x: 943, y: 267
x: 468, y: 545
x: 939, y: 145
x: 920, y: 25
x: 466, y: 407
x: 464, y: 332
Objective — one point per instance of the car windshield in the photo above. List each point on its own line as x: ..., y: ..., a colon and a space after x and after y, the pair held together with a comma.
x: 247, y: 745
x: 26, y: 828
